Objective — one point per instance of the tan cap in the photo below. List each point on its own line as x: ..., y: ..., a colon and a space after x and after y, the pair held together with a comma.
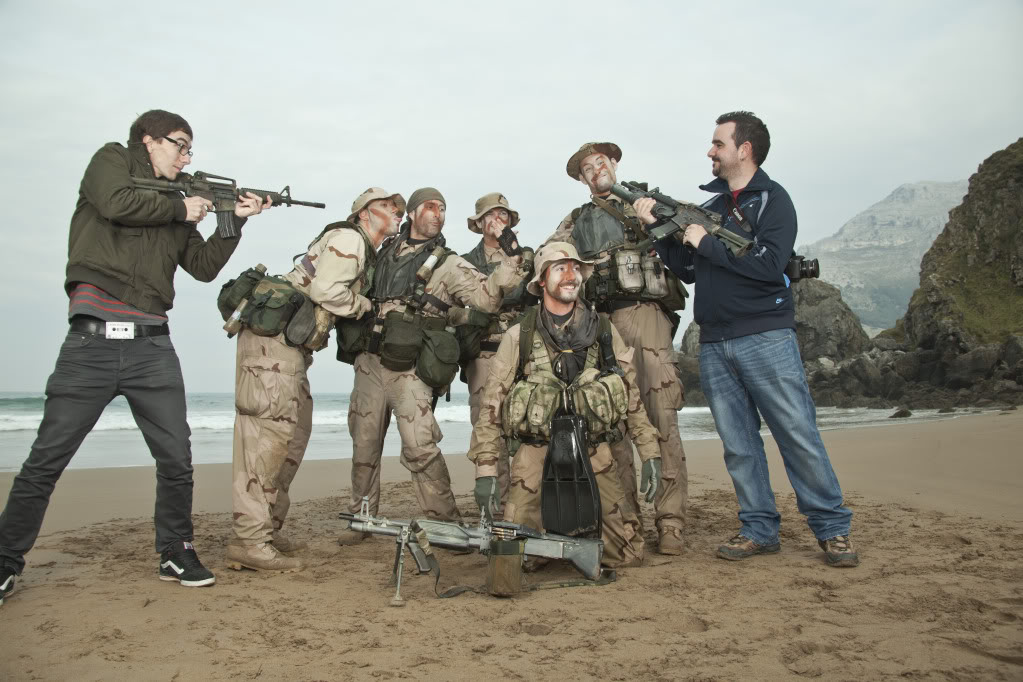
x: 550, y: 253
x: 609, y: 148
x: 487, y: 202
x: 372, y: 194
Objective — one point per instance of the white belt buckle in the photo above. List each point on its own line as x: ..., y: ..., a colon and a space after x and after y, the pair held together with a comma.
x: 120, y: 330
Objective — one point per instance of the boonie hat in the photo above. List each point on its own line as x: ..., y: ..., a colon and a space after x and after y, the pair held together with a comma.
x: 612, y: 151
x: 550, y: 253
x: 372, y: 194
x: 488, y: 202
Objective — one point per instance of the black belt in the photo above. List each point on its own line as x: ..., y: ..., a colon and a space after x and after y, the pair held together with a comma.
x: 91, y: 325
x: 489, y: 346
x: 610, y: 306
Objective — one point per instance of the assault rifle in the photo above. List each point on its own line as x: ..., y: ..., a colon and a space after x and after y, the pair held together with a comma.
x: 419, y: 536
x: 223, y: 192
x: 676, y: 215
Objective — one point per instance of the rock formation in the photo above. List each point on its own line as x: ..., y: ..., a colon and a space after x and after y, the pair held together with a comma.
x: 960, y: 341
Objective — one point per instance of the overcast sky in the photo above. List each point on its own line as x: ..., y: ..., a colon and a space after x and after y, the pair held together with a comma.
x: 473, y: 98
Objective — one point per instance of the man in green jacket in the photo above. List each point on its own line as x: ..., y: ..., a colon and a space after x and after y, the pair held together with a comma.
x: 123, y: 249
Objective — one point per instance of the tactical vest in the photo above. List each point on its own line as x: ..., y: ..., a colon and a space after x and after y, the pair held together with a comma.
x: 596, y: 231
x: 395, y: 277
x: 533, y: 400
x: 626, y: 274
x: 518, y: 297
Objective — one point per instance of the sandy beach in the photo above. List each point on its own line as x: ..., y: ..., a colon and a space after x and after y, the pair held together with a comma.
x: 938, y: 594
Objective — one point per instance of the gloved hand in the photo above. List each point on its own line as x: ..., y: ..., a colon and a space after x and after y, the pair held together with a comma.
x: 651, y: 477
x: 485, y: 492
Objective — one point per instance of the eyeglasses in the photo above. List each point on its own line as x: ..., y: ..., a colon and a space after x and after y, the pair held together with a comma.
x: 183, y: 149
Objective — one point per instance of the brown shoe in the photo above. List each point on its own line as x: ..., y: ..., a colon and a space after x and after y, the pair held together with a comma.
x: 261, y: 558
x: 741, y: 547
x: 839, y: 551
x: 351, y: 537
x: 669, y: 541
x: 285, y: 544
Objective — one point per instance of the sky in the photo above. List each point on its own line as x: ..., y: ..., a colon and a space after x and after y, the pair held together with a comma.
x: 473, y: 98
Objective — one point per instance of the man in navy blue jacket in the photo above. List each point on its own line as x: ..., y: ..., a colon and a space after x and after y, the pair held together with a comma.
x: 749, y: 358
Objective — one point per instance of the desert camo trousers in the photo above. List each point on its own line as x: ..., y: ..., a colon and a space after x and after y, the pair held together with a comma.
x: 476, y: 375
x: 273, y: 420
x: 623, y: 541
x: 647, y: 329
x: 377, y: 393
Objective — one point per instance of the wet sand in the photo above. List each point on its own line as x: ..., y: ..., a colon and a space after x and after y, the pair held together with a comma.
x: 938, y: 595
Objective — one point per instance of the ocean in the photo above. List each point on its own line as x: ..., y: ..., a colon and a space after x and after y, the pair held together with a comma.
x: 116, y: 441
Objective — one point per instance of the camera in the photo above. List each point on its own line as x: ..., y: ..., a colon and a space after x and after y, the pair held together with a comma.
x: 799, y: 267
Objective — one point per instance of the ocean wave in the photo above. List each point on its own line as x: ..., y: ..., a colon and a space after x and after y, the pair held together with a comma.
x: 23, y: 403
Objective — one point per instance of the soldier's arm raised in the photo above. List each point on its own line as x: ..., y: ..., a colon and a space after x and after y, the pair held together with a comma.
x: 644, y: 435
x: 471, y: 288
x: 484, y: 447
x: 340, y: 275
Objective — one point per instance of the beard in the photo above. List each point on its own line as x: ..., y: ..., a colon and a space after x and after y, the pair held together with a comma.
x: 565, y: 294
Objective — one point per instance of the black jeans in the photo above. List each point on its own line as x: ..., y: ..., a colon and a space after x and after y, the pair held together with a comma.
x: 91, y: 370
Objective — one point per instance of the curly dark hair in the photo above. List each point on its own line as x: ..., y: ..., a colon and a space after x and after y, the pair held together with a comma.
x: 157, y: 123
x: 749, y: 128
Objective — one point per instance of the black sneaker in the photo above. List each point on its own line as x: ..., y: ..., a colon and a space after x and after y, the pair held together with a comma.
x: 181, y: 564
x: 6, y: 583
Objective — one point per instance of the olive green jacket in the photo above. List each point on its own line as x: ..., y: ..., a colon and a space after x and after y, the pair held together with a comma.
x: 128, y: 241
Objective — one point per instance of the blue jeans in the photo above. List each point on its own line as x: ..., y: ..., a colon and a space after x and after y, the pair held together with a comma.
x: 764, y: 371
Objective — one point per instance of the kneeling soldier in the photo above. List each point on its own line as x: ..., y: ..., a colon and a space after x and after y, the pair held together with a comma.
x: 272, y: 397
x: 552, y: 357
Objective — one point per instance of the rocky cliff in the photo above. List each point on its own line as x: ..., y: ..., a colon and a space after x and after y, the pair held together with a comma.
x: 960, y: 341
x: 867, y: 257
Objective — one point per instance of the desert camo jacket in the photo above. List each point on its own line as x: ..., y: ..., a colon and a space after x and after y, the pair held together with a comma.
x: 333, y: 271
x: 487, y: 428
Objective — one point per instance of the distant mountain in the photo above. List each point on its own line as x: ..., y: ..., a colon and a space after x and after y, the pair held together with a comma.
x: 875, y: 258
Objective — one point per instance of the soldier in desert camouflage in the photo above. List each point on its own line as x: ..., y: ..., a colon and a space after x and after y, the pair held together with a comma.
x: 639, y: 295
x: 416, y: 283
x: 273, y: 401
x: 493, y: 215
x: 564, y: 352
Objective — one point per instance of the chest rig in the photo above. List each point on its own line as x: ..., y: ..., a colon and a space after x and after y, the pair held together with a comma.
x: 622, y: 274
x: 598, y: 393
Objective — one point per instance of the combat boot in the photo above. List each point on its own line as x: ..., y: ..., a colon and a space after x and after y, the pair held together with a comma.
x: 261, y: 557
x: 285, y: 544
x: 351, y: 537
x: 669, y: 541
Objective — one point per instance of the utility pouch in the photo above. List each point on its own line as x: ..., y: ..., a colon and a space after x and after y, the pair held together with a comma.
x: 528, y: 408
x: 302, y: 324
x: 352, y: 337
x: 470, y: 334
x: 401, y: 343
x: 232, y: 293
x: 629, y: 270
x: 593, y: 402
x: 504, y: 569
x: 437, y: 364
x: 653, y: 275
x: 542, y: 403
x: 273, y: 303
x: 675, y: 298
